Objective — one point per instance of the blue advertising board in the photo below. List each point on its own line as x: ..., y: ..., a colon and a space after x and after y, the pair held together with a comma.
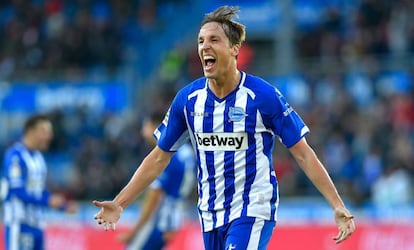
x: 36, y: 96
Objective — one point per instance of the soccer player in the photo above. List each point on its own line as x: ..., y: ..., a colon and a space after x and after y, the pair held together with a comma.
x: 232, y: 119
x: 164, y: 206
x: 26, y: 193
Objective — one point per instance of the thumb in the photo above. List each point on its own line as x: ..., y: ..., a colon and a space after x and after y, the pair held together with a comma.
x: 98, y: 203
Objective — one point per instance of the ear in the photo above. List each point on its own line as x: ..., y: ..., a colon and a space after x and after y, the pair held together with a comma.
x: 235, y: 50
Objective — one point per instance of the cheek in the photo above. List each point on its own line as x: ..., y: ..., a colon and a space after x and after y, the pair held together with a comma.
x: 199, y: 55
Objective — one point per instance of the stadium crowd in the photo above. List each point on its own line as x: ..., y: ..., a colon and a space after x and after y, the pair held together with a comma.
x: 357, y: 93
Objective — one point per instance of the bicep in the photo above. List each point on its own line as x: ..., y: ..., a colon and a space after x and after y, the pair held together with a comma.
x: 161, y: 156
x: 301, y: 151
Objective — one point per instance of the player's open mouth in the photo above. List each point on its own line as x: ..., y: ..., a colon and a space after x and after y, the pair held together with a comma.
x: 209, y: 62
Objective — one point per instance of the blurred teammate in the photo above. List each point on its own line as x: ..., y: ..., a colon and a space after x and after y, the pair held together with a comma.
x: 26, y: 195
x: 163, y: 209
x: 232, y: 119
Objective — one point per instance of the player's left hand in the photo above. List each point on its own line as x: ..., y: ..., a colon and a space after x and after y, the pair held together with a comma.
x: 109, y: 214
x: 345, y: 223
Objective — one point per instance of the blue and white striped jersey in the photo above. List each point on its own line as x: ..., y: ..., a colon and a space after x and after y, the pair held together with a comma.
x: 177, y: 181
x: 25, y: 178
x: 234, y: 139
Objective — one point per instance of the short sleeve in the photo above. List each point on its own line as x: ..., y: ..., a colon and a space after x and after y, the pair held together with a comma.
x: 173, y: 132
x: 286, y: 122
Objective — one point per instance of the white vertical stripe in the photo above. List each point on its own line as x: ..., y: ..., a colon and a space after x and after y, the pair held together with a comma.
x: 255, y: 235
x: 142, y: 237
x: 218, y: 126
x: 14, y: 236
x: 199, y: 107
x: 262, y: 186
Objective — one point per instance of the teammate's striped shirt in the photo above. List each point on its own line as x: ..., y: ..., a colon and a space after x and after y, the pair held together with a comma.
x: 233, y: 138
x: 177, y: 183
x: 26, y: 194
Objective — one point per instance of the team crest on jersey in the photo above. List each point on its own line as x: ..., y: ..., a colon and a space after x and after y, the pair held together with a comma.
x: 236, y: 114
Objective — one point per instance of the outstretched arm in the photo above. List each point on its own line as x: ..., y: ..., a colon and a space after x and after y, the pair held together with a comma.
x: 316, y: 172
x: 151, y: 167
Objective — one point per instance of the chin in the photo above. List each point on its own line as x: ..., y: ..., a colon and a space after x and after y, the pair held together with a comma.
x: 208, y: 75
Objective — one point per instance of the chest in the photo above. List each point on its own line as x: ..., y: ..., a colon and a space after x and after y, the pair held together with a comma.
x: 36, y: 171
x: 236, y: 113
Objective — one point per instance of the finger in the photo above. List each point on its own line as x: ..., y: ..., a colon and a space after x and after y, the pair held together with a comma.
x: 339, y: 238
x: 106, y: 226
x: 113, y: 226
x: 338, y: 235
x: 344, y: 235
x: 97, y: 203
x: 97, y: 216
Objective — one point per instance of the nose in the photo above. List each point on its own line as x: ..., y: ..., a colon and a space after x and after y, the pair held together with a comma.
x: 204, y: 45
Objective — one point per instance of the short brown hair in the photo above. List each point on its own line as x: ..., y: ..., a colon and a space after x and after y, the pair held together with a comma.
x: 235, y: 31
x: 33, y: 120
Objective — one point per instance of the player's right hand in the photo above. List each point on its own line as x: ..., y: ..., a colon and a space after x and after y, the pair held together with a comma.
x: 56, y: 201
x: 109, y: 214
x: 71, y: 207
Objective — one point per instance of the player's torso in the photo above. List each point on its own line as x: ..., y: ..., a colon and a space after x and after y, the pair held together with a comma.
x: 233, y: 145
x: 26, y: 170
x: 36, y: 172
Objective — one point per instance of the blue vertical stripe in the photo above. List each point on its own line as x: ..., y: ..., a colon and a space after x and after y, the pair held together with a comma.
x: 250, y: 168
x: 208, y: 127
x: 190, y: 122
x: 267, y: 150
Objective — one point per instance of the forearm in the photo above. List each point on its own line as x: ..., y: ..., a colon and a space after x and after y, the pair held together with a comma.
x: 150, y: 168
x: 318, y: 175
x: 316, y: 172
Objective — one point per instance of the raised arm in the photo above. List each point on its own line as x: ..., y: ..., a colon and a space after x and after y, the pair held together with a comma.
x: 151, y: 167
x: 316, y: 172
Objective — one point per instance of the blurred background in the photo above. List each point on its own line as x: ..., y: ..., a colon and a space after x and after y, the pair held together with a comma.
x: 99, y: 67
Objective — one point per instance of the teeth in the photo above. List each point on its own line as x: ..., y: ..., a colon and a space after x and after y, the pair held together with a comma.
x: 208, y: 58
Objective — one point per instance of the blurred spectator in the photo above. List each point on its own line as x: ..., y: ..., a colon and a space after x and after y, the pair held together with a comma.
x: 393, y: 188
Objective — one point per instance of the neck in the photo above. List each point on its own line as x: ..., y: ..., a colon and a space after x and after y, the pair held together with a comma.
x: 221, y: 87
x: 28, y: 143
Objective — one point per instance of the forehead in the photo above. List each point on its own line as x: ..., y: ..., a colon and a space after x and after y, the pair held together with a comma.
x: 43, y: 125
x: 211, y: 29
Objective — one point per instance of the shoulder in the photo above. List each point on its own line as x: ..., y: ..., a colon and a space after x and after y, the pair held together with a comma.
x: 188, y: 90
x: 13, y: 150
x: 13, y: 160
x: 263, y: 92
x: 259, y: 86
